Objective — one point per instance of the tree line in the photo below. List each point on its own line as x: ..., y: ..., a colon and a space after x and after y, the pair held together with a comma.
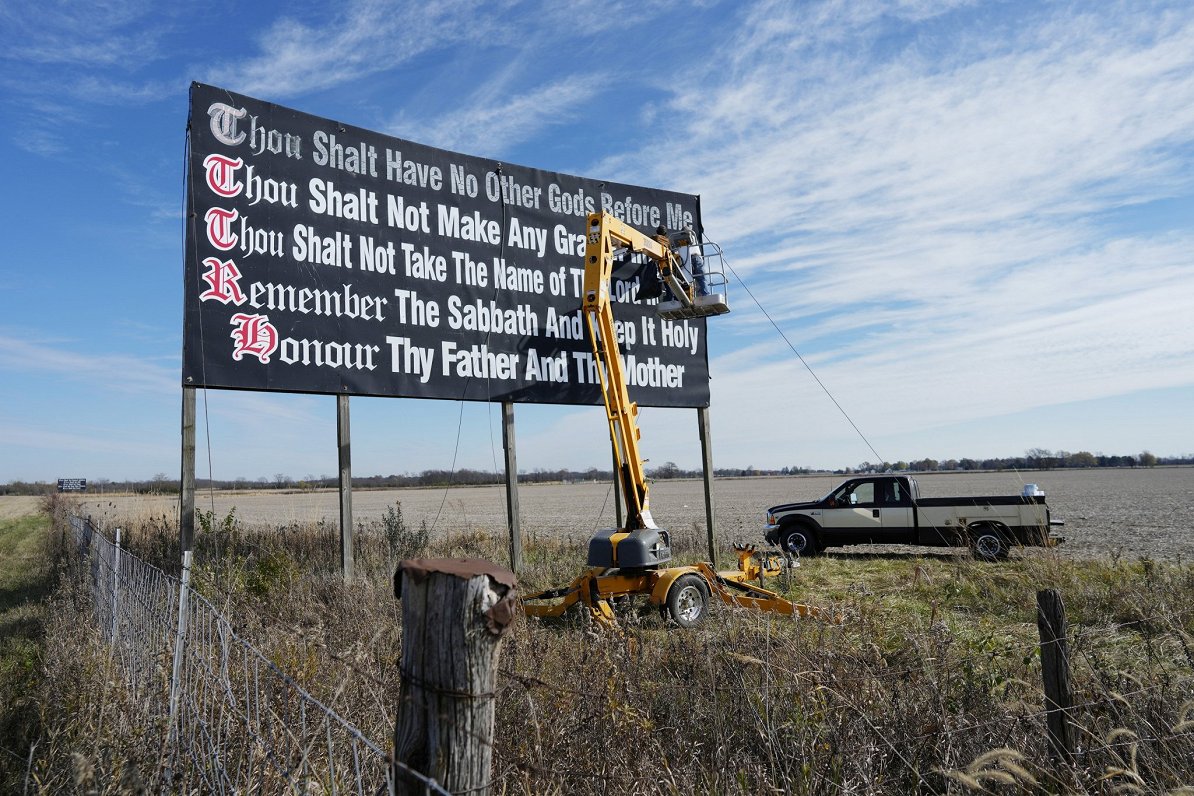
x: 1033, y: 459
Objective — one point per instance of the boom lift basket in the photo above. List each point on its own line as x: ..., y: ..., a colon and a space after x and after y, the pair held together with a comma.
x: 714, y: 300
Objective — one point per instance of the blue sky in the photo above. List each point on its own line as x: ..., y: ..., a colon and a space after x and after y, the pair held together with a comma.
x: 972, y: 219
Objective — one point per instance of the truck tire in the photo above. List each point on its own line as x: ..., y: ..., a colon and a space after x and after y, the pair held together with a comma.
x: 798, y: 540
x: 688, y: 600
x: 987, y: 543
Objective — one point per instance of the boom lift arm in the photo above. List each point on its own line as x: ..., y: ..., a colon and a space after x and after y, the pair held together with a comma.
x: 607, y: 234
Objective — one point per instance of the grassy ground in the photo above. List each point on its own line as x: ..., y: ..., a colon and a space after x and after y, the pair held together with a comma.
x: 931, y: 685
x: 25, y: 582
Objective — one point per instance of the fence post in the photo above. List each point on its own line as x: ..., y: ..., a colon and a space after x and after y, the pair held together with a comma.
x: 1055, y: 669
x: 707, y: 474
x: 513, y: 517
x: 186, y: 481
x: 344, y: 448
x: 115, y: 587
x: 184, y: 592
x: 454, y: 612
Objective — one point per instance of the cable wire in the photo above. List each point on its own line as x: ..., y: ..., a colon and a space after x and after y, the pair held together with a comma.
x: 807, y: 366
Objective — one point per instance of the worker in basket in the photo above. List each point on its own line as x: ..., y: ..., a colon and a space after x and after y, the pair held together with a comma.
x: 692, y: 266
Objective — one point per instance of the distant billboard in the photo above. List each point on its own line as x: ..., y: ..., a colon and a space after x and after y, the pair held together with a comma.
x: 325, y: 258
x: 72, y: 484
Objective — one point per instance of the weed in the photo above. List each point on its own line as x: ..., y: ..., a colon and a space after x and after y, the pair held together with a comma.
x: 402, y: 540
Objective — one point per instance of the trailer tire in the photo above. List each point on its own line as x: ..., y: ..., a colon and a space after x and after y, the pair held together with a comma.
x: 688, y: 600
x: 987, y: 543
x: 798, y: 540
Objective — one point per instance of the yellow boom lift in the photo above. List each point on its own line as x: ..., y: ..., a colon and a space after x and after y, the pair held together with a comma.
x: 628, y: 562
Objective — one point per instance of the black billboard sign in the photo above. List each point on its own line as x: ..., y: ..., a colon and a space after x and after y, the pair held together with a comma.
x: 325, y: 258
x: 72, y: 484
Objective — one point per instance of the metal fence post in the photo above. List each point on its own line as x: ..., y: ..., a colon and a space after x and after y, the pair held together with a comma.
x: 180, y: 639
x: 226, y: 673
x: 115, y: 587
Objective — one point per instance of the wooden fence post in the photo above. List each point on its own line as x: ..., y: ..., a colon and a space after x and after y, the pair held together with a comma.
x: 1055, y: 669
x: 344, y: 449
x: 454, y: 612
x: 186, y: 484
x: 707, y: 471
x: 513, y: 517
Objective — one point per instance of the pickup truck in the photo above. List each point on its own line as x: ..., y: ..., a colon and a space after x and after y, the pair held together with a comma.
x: 888, y: 509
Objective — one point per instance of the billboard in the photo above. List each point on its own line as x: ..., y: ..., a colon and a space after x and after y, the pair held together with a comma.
x: 325, y: 258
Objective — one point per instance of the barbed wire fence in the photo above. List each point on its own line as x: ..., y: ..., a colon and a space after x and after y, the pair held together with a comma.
x: 233, y: 721
x: 1129, y: 735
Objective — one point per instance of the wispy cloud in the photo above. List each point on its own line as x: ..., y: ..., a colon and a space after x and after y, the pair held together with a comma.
x: 493, y: 119
x: 927, y: 217
x: 361, y: 38
x: 64, y: 60
x: 69, y: 359
x: 117, y: 33
x: 510, y: 45
x: 1061, y: 121
x: 70, y: 444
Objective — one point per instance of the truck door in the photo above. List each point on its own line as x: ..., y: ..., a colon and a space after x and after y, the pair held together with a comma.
x: 853, y: 515
x: 895, y: 508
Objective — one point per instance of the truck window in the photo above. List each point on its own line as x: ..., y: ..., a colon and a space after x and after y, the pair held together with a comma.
x: 894, y: 493
x: 856, y: 494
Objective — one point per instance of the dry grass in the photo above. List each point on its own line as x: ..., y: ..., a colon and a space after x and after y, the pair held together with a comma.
x: 25, y: 582
x: 931, y: 686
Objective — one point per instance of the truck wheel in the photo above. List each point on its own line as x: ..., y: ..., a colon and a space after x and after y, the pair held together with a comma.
x: 798, y: 541
x: 688, y: 600
x: 988, y: 544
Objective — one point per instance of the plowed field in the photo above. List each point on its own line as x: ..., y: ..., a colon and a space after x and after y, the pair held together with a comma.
x: 1133, y: 512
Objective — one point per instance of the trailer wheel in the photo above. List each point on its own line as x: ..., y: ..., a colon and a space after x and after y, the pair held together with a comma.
x: 688, y: 600
x: 799, y: 541
x: 988, y: 544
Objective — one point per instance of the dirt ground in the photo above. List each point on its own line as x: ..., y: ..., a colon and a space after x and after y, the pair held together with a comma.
x: 1131, y: 512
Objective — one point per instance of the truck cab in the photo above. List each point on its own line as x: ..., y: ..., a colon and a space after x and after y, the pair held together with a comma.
x: 858, y: 511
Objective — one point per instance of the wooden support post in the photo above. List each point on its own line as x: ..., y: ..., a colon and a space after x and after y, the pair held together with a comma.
x: 513, y: 521
x: 454, y: 612
x: 344, y: 445
x: 707, y: 467
x: 1055, y: 669
x: 186, y: 497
